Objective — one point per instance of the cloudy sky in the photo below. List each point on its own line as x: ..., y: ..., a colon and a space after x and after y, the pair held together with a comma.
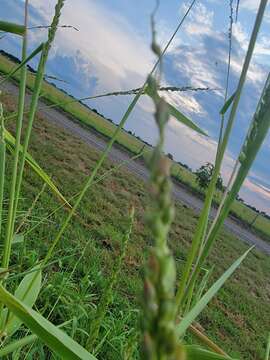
x: 111, y: 52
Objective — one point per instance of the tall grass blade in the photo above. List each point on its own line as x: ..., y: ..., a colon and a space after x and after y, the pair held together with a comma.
x: 267, y: 352
x: 256, y: 135
x: 12, y: 195
x: 199, y: 307
x: 2, y: 165
x: 12, y: 28
x: 204, y: 217
x: 227, y: 104
x: 36, y: 93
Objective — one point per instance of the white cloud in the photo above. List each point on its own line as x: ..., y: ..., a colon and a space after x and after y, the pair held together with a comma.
x: 121, y: 57
x: 200, y: 20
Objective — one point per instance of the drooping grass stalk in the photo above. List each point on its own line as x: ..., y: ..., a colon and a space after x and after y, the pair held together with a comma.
x: 2, y: 165
x: 254, y: 139
x: 107, y: 295
x: 12, y: 196
x: 206, y: 341
x: 116, y: 93
x: 36, y: 93
x: 105, y: 153
x: 203, y: 220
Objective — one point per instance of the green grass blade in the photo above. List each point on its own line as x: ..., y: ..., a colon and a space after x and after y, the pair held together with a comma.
x: 256, y: 135
x: 12, y: 28
x: 35, y: 95
x: 193, y: 352
x: 27, y: 292
x: 34, y: 165
x: 54, y: 338
x: 201, y: 228
x: 2, y: 164
x: 17, y: 344
x: 199, y: 307
x: 12, y: 192
x: 25, y: 61
x: 176, y: 113
x: 267, y: 352
x: 184, y: 119
x: 227, y: 104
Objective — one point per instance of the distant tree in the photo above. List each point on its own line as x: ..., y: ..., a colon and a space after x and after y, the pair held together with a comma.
x: 204, y: 175
x: 170, y: 156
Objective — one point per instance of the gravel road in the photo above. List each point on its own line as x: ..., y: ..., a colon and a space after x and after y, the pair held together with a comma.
x: 136, y: 167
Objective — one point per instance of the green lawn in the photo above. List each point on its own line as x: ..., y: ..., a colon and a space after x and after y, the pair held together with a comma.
x: 105, y: 127
x: 237, y: 319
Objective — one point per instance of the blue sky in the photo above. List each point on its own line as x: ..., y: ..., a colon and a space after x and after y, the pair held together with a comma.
x: 111, y: 52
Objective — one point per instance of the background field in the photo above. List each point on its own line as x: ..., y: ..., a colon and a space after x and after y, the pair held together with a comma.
x: 89, y: 118
x: 239, y: 323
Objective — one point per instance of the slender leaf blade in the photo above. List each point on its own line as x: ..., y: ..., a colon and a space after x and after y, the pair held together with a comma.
x: 27, y: 292
x: 198, y: 308
x: 227, y: 104
x: 194, y: 352
x: 184, y: 119
x: 175, y: 112
x: 12, y: 28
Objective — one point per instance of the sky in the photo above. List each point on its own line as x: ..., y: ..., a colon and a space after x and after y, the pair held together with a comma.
x: 111, y: 52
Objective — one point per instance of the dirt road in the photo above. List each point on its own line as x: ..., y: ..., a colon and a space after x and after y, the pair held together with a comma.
x: 118, y: 155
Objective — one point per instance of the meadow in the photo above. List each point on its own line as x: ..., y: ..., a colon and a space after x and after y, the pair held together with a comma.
x: 238, y: 326
x: 97, y: 264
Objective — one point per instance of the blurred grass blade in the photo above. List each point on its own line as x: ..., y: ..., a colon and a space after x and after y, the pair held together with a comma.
x: 198, y: 308
x: 12, y: 28
x: 194, y: 352
x: 183, y: 119
x: 17, y: 239
x: 54, y: 338
x: 227, y: 104
x: 27, y: 292
x: 31, y: 56
x: 34, y: 165
x: 17, y: 344
x: 186, y: 286
x: 205, y: 340
x: 2, y: 164
x: 175, y: 113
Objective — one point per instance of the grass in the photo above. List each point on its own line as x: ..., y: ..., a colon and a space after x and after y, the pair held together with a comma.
x: 83, y: 114
x: 239, y: 327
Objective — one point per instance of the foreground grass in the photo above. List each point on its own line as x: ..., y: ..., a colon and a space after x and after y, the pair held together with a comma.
x: 53, y: 95
x: 238, y: 319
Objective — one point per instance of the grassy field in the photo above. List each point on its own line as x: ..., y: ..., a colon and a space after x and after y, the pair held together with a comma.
x: 237, y: 319
x: 105, y: 127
